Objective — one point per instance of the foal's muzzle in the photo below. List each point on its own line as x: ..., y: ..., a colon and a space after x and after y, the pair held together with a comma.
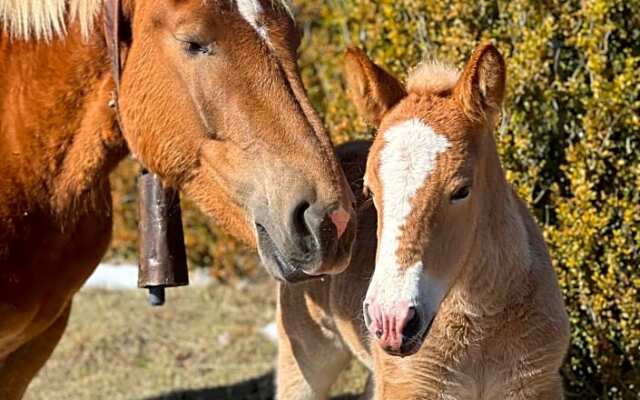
x: 399, y: 329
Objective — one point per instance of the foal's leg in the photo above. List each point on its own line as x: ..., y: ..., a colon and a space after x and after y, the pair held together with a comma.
x: 310, y: 355
x: 19, y: 367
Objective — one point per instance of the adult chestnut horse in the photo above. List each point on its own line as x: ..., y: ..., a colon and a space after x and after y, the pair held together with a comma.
x: 210, y: 99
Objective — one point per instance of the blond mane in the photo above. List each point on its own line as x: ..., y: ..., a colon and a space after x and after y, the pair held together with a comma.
x: 432, y: 77
x: 44, y: 19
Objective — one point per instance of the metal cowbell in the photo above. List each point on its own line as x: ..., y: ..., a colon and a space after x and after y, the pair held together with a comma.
x: 163, y: 261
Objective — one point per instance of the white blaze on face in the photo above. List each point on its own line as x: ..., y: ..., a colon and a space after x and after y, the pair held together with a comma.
x: 251, y: 11
x: 407, y: 158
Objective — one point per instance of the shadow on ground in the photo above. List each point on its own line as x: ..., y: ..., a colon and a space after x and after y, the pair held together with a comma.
x: 260, y: 388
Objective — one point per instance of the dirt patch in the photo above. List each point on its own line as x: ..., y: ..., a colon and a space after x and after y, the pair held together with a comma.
x: 205, y: 343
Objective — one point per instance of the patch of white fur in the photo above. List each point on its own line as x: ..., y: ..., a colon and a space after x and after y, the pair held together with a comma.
x: 251, y: 11
x: 392, y: 284
x: 414, y: 285
x: 407, y: 158
x: 44, y: 19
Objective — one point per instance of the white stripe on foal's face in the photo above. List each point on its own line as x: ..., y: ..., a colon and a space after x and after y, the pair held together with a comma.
x: 407, y: 158
x: 250, y: 11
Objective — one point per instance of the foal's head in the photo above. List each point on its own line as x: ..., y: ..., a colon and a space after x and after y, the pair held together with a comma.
x: 212, y: 101
x: 429, y: 171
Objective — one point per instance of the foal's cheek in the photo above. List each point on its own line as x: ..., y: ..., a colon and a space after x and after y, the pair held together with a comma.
x: 459, y: 237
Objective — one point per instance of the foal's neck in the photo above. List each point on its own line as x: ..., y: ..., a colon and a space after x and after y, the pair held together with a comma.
x: 59, y: 131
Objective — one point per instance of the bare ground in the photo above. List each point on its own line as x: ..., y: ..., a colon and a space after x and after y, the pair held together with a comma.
x: 205, y: 343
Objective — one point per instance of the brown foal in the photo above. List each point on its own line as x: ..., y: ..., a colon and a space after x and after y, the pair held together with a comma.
x: 450, y: 293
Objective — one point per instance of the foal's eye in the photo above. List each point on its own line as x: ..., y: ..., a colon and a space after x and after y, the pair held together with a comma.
x: 460, y: 194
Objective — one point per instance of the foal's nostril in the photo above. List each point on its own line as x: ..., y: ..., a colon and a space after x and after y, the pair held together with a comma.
x: 412, y: 328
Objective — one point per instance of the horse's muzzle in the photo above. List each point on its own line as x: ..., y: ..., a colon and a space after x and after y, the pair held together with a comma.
x: 313, y: 243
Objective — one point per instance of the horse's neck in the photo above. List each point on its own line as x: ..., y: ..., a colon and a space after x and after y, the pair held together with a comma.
x: 498, y: 267
x: 55, y: 122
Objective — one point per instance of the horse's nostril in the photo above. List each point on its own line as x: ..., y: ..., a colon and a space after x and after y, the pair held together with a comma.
x: 299, y: 221
x: 412, y: 328
x: 320, y: 231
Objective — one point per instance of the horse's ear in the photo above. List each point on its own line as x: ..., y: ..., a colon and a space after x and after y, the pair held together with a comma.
x: 481, y: 86
x: 373, y: 90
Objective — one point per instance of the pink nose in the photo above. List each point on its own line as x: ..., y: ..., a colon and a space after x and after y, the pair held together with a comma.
x: 340, y: 219
x: 389, y: 324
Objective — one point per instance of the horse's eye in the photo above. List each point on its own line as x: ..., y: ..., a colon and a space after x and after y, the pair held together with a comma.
x: 195, y: 48
x: 460, y: 194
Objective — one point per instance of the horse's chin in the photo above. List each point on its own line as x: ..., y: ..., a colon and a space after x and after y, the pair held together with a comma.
x: 276, y: 264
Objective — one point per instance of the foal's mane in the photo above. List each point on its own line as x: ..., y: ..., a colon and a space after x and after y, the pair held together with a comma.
x: 44, y: 19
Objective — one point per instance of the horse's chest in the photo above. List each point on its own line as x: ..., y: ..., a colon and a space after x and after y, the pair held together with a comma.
x: 44, y: 255
x: 43, y: 261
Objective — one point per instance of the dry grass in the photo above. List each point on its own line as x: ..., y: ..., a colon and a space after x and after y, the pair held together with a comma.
x: 205, y: 343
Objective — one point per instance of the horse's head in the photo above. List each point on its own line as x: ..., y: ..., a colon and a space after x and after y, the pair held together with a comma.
x: 430, y: 170
x: 212, y: 101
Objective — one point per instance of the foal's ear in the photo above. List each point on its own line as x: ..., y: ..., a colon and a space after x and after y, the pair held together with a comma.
x: 373, y: 90
x: 481, y: 86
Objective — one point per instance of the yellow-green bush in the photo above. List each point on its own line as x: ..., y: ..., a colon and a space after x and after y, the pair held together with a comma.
x: 569, y: 139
